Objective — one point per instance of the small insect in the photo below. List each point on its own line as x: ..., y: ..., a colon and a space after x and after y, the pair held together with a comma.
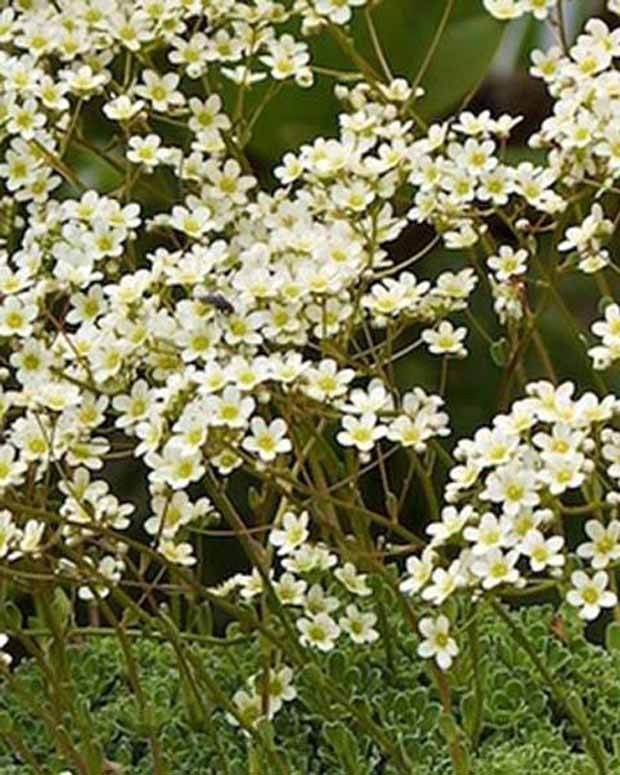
x: 219, y: 302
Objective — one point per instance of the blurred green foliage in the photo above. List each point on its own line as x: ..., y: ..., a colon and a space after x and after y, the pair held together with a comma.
x: 407, y: 31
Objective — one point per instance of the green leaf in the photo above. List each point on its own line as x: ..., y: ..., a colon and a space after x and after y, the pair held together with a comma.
x: 337, y: 664
x: 460, y: 63
x: 612, y: 636
x: 500, y: 352
x: 448, y: 727
x: 345, y: 746
x: 94, y: 758
x: 468, y: 712
x: 10, y: 617
x: 6, y: 723
x: 62, y: 608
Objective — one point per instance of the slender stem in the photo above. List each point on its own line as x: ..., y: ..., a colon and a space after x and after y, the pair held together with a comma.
x: 474, y: 650
x: 349, y: 49
x: 427, y: 485
x: 561, y: 24
x: 376, y: 44
x: 443, y: 22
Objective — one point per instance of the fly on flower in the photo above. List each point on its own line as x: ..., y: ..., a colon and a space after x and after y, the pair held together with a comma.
x: 220, y: 302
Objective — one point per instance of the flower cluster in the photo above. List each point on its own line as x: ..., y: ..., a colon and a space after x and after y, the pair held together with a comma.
x: 162, y: 304
x: 274, y: 686
x: 581, y: 135
x: 325, y: 597
x: 510, y: 490
x: 311, y: 580
x: 189, y: 355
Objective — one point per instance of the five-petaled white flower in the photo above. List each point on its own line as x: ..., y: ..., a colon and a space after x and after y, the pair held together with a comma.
x: 445, y: 339
x: 359, y: 625
x: 360, y: 432
x: 437, y: 643
x: 590, y: 594
x: 320, y: 631
x: 267, y: 441
x: 292, y: 534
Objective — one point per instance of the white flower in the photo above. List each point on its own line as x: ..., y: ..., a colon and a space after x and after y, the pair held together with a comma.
x: 4, y: 657
x: 437, y: 643
x: 228, y: 182
x: 293, y: 533
x: 359, y: 625
x: 122, y: 108
x: 277, y: 684
x: 16, y: 317
x: 490, y: 533
x: 443, y: 583
x: 25, y: 119
x: 172, y: 513
x: 134, y: 407
x: 160, y: 90
x: 445, y: 340
x: 146, y: 151
x: 327, y: 382
x: 504, y: 9
x: 290, y: 590
x: 360, y: 432
x: 374, y: 400
x: 542, y: 552
x: 192, y: 53
x: 496, y: 568
x: 419, y: 571
x: 512, y: 485
x: 539, y: 8
x: 586, y: 238
x: 287, y: 58
x: 412, y: 433
x: 337, y: 11
x: 495, y: 446
x: 232, y: 408
x: 9, y: 532
x: 175, y: 466
x: 111, y: 569
x: 320, y: 631
x: 563, y: 472
x: 452, y: 522
x: 604, y: 546
x: 251, y: 585
x: 178, y: 554
x: 508, y: 263
x: 194, y: 223
x: 317, y: 601
x: 590, y: 594
x: 267, y: 441
x: 30, y: 541
x: 308, y: 558
x: 355, y: 582
x: 11, y: 469
x: 83, y: 80
x: 609, y: 329
x: 249, y: 706
x: 207, y: 115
